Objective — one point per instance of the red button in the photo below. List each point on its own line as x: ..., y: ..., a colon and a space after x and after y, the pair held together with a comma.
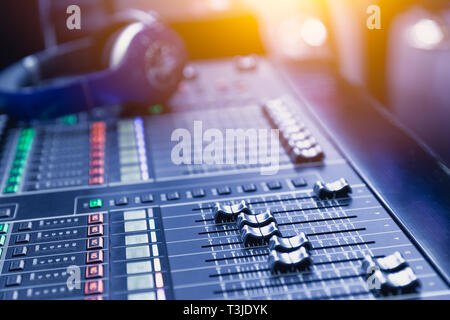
x: 96, y: 230
x: 95, y: 271
x: 96, y: 180
x: 93, y: 287
x: 95, y: 243
x: 99, y: 171
x: 95, y: 218
x: 97, y: 155
x: 94, y: 256
x: 97, y: 163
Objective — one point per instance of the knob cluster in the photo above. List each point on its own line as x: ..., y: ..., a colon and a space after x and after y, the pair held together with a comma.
x: 286, y: 254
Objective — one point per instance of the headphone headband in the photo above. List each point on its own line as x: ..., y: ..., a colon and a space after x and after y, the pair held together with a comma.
x: 20, y: 96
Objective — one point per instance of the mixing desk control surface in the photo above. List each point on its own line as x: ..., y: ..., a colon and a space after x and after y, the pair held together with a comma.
x: 93, y: 207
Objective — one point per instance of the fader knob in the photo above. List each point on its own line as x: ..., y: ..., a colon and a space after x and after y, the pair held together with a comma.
x: 336, y: 189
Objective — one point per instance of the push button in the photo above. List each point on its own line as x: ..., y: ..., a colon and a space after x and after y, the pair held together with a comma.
x: 198, y: 193
x: 94, y: 256
x: 289, y: 261
x: 299, y: 182
x: 224, y: 190
x: 16, y: 265
x: 173, y: 196
x: 95, y: 230
x: 146, y: 198
x: 25, y: 226
x: 257, y: 236
x: 2, y: 240
x: 95, y: 203
x: 19, y: 251
x: 122, y: 201
x: 274, y: 185
x: 95, y: 271
x: 226, y: 213
x: 4, y: 227
x: 336, y: 189
x: 5, y: 213
x: 95, y: 218
x: 95, y: 243
x: 93, y: 287
x: 23, y: 238
x: 249, y: 187
x: 14, y: 280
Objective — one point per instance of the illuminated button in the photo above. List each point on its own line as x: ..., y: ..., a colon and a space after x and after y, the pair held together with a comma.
x: 94, y: 256
x: 93, y: 287
x: 20, y: 251
x: 95, y: 218
x: 23, y: 238
x: 134, y: 215
x: 95, y: 243
x: 138, y: 225
x: 95, y: 203
x: 95, y: 271
x: 95, y: 230
x: 96, y: 180
x: 136, y: 239
x: 4, y: 227
x: 139, y: 267
x: 137, y: 252
x: 140, y: 282
x: 11, y: 189
x: 2, y: 240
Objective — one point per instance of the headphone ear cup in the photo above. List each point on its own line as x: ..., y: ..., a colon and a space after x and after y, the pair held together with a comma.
x: 106, y: 58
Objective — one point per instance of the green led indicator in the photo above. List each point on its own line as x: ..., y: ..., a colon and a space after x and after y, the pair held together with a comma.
x: 2, y: 240
x: 14, y: 180
x: 70, y: 119
x: 11, y: 189
x: 95, y: 203
x: 4, y: 227
x: 155, y: 109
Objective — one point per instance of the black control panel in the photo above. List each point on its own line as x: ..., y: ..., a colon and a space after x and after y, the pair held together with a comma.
x: 93, y: 206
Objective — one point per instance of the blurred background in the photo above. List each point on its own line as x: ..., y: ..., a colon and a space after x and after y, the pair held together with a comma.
x: 405, y: 64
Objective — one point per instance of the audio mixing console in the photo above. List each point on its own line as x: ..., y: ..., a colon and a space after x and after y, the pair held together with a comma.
x: 96, y: 195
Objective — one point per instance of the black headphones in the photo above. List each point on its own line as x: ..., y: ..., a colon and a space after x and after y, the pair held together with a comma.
x: 136, y: 59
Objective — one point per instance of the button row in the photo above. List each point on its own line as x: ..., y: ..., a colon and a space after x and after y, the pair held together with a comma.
x: 20, y: 158
x: 296, y: 138
x: 97, y: 153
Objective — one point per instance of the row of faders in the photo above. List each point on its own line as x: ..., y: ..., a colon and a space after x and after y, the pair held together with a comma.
x: 298, y: 141
x: 260, y: 229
